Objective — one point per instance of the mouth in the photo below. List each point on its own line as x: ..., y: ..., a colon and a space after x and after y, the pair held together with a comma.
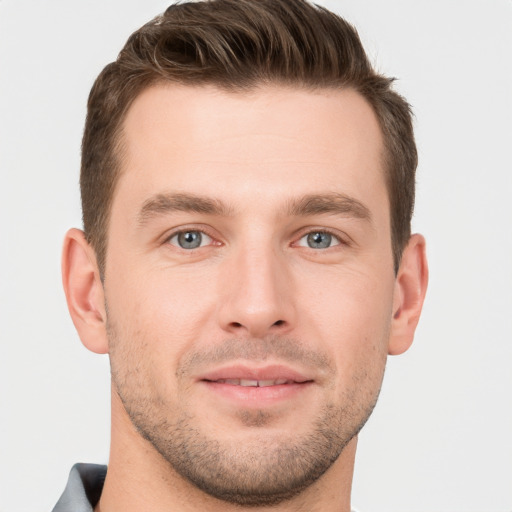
x: 248, y: 376
x: 254, y: 383
x: 256, y: 387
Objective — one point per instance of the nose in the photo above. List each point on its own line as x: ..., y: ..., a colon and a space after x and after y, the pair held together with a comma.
x: 257, y: 296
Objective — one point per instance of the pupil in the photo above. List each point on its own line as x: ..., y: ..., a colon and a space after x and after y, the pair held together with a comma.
x: 319, y: 240
x: 189, y: 239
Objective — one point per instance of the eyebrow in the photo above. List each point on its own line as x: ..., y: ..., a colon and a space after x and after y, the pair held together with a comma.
x: 179, y: 202
x: 332, y: 203
x: 311, y: 204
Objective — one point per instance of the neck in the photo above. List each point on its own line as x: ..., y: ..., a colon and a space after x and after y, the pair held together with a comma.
x: 138, y: 478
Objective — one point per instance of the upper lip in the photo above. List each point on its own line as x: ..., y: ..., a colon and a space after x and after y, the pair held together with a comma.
x: 266, y: 373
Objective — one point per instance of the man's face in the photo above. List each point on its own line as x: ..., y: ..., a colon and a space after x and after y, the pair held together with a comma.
x: 249, y: 282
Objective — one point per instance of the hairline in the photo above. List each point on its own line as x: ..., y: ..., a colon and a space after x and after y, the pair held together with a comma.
x: 119, y: 146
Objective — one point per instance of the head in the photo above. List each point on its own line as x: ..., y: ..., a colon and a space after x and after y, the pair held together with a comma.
x: 247, y: 262
x: 239, y: 45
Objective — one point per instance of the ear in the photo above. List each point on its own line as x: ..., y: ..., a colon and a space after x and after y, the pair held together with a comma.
x: 410, y: 288
x: 84, y: 291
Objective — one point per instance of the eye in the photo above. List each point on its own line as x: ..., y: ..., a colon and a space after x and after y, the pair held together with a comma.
x: 190, y: 239
x: 319, y: 240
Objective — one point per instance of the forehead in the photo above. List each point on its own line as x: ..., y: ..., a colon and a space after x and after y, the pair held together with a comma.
x: 271, y: 139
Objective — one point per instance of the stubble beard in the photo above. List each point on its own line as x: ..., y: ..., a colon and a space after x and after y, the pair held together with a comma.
x: 264, y: 470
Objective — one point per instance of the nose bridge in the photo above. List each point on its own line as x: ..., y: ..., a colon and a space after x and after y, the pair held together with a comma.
x: 257, y: 298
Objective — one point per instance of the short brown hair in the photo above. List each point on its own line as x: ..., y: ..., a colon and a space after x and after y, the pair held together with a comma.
x: 238, y: 45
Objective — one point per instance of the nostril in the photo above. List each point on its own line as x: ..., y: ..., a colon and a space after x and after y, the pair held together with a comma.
x: 256, y: 329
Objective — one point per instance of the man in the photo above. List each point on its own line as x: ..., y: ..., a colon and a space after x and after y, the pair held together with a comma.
x: 247, y: 189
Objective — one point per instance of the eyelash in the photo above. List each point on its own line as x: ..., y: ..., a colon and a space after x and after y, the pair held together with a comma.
x: 213, y: 241
x: 335, y: 236
x: 182, y: 231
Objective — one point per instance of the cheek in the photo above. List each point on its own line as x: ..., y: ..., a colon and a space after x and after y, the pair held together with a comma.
x: 166, y: 309
x: 358, y: 339
x: 352, y: 314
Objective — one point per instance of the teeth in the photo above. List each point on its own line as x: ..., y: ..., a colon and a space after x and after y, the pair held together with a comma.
x: 244, y: 382
x: 265, y: 383
x: 253, y: 383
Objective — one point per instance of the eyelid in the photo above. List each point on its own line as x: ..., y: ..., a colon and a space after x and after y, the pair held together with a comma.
x: 205, y: 239
x: 204, y: 230
x: 341, y: 238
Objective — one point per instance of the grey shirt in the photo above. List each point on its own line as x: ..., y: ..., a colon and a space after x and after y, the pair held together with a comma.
x: 83, y: 489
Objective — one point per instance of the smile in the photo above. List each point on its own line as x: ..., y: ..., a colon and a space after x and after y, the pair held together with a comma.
x: 248, y: 386
x: 254, y: 383
x: 250, y: 376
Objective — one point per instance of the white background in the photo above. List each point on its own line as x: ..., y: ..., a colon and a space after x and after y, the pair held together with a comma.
x: 441, y: 437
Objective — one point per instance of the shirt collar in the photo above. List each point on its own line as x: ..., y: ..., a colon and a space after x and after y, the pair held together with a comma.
x: 83, y: 489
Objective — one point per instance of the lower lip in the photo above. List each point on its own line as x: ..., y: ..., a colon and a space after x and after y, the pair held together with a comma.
x: 255, y: 396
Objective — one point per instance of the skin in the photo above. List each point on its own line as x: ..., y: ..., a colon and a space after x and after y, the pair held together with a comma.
x: 254, y: 295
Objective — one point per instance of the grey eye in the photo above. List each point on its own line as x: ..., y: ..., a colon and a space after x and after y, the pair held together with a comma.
x: 190, y: 239
x: 319, y: 240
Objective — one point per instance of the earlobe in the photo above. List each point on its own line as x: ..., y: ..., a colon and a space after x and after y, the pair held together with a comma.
x: 84, y: 291
x: 410, y: 289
